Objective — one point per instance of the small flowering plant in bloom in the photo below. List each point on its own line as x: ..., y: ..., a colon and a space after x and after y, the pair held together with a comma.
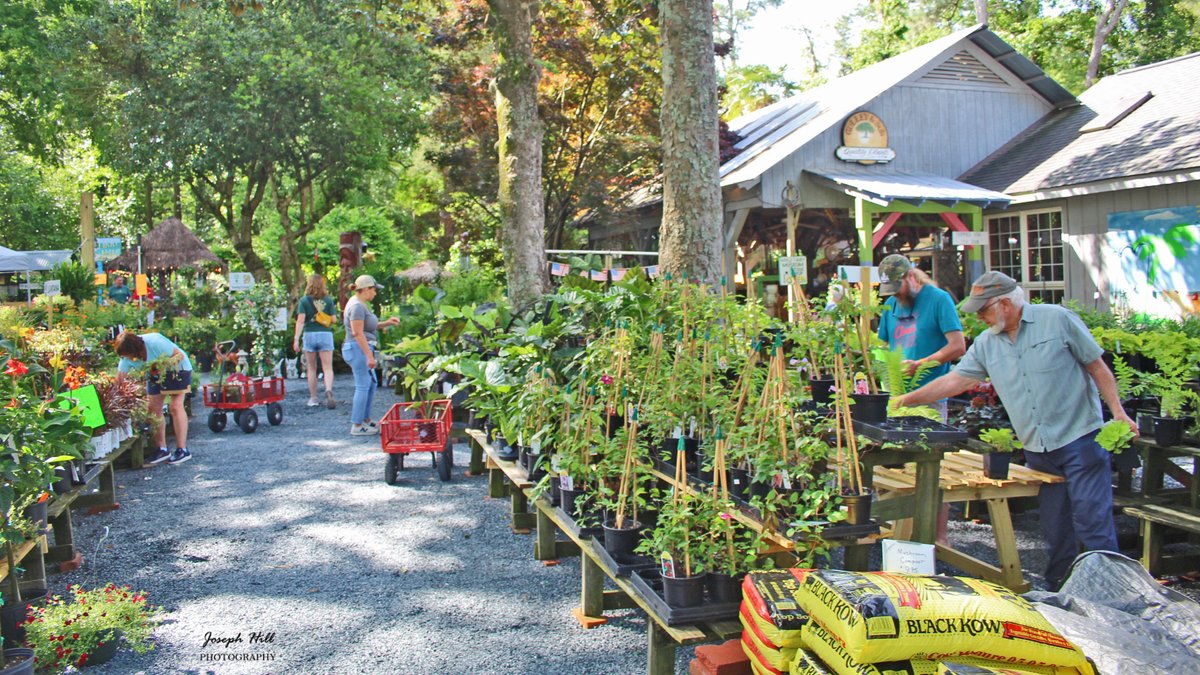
x: 67, y: 633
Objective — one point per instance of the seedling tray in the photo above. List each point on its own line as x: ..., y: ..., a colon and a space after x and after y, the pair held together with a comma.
x: 623, y: 567
x: 596, y: 532
x: 648, y: 585
x: 911, y: 430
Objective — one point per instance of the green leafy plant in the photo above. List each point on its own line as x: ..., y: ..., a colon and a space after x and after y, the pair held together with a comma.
x: 66, y: 633
x: 1001, y: 440
x: 1115, y: 436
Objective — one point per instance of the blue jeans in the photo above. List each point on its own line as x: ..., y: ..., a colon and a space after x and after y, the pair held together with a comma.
x: 364, y: 382
x: 1078, y: 512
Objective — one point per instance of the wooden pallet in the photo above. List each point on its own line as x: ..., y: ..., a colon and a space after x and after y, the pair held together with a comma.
x: 1154, y: 518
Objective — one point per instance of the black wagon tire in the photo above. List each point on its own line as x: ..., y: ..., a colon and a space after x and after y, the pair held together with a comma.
x: 274, y: 414
x: 395, y: 464
x: 217, y: 421
x: 446, y: 462
x: 248, y: 421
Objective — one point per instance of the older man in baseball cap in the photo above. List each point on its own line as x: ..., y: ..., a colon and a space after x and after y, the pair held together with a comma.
x: 1047, y: 370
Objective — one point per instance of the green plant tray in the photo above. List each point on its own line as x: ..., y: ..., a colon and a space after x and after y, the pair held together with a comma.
x: 911, y: 430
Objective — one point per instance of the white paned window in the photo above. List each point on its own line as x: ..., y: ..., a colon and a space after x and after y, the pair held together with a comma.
x: 1028, y: 246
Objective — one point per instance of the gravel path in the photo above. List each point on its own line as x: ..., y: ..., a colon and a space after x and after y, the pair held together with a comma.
x: 291, y: 535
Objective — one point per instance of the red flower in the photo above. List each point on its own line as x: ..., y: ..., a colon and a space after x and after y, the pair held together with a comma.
x: 83, y: 659
x: 12, y: 404
x: 15, y: 368
x: 75, y: 636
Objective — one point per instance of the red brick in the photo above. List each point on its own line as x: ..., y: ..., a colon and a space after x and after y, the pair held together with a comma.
x: 723, y: 659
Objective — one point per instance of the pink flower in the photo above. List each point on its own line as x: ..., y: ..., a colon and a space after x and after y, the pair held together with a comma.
x: 606, y: 379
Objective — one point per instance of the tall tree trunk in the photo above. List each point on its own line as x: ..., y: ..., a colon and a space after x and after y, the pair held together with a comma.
x: 149, y: 203
x: 981, y: 11
x: 177, y: 199
x: 519, y: 150
x: 289, y: 258
x: 1105, y: 23
x: 690, y: 235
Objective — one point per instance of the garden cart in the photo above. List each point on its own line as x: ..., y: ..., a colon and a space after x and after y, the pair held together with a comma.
x: 417, y: 426
x: 239, y: 393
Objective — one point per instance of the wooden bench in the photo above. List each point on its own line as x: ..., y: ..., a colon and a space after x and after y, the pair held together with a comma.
x: 1158, y: 463
x: 961, y: 479
x: 1154, y: 518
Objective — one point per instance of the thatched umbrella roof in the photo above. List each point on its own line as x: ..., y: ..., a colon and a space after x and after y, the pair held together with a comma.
x: 170, y: 245
x: 423, y: 272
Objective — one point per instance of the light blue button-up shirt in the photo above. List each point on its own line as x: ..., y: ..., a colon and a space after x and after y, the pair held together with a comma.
x: 1050, y: 398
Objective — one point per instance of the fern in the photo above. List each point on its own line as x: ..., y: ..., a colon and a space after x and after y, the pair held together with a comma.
x: 1128, y: 384
x: 1000, y: 439
x: 896, y: 380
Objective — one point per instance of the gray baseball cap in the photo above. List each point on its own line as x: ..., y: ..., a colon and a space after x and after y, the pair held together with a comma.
x: 891, y: 273
x: 989, y: 285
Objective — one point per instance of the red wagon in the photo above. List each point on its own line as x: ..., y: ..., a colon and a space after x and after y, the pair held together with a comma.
x: 240, y: 394
x: 418, y: 426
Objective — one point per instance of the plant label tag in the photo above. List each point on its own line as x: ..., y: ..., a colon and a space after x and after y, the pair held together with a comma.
x: 555, y: 469
x: 537, y: 446
x: 677, y: 433
x: 565, y: 482
x: 520, y: 438
x: 787, y: 482
x: 692, y: 428
x: 668, y: 565
x: 908, y: 557
x: 446, y: 388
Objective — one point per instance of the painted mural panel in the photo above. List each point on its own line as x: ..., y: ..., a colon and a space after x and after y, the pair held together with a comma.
x: 1153, y: 259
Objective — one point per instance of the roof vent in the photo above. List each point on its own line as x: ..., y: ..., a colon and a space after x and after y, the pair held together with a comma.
x: 1119, y: 111
x: 963, y: 68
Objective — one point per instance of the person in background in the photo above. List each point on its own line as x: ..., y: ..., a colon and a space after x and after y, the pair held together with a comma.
x: 920, y: 319
x: 359, y: 350
x: 1046, y: 368
x: 318, y: 337
x: 168, y: 372
x: 119, y: 292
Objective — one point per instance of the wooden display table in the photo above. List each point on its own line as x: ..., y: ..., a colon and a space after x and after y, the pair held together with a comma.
x: 1157, y: 464
x: 961, y: 479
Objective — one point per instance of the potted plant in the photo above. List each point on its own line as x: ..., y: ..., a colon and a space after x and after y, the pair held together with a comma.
x: 681, y: 541
x: 1176, y: 357
x: 89, y: 629
x: 995, y: 463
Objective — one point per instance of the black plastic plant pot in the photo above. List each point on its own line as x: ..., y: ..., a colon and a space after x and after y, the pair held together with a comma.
x: 822, y: 390
x: 614, y: 423
x: 858, y: 508
x: 21, y: 660
x: 1168, y: 431
x: 869, y: 407
x: 555, y: 491
x: 574, y: 502
x: 684, y: 591
x: 1145, y: 422
x: 620, y: 542
x: 739, y: 482
x: 995, y: 465
x: 12, y: 616
x: 522, y: 456
x: 724, y: 588
x: 759, y: 489
x: 537, y: 466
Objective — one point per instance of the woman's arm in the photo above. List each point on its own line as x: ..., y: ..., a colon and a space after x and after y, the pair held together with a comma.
x: 356, y: 332
x: 299, y: 330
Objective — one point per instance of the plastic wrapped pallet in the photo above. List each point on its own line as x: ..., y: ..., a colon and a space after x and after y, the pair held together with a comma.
x: 776, y: 658
x: 879, y: 617
x: 771, y: 606
x: 827, y: 647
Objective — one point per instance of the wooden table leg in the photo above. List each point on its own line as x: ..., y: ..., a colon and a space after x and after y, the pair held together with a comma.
x: 1151, y: 547
x: 496, y: 483
x: 660, y: 659
x: 1006, y: 544
x: 476, y: 466
x: 590, y: 612
x: 929, y: 502
x: 522, y: 519
x: 1152, y: 471
x: 545, y: 548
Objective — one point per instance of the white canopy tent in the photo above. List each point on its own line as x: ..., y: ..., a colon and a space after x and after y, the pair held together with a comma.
x: 31, y: 261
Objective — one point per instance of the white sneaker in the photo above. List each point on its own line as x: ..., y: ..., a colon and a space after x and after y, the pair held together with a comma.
x: 362, y: 430
x: 313, y: 403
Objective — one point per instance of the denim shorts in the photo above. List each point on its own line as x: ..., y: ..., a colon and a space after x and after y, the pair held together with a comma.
x: 319, y: 341
x: 173, y: 381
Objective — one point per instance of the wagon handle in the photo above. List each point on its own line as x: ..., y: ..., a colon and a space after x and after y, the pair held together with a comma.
x: 229, y: 345
x: 414, y: 358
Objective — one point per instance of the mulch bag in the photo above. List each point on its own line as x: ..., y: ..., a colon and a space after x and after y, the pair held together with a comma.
x: 880, y: 616
x: 833, y: 655
x: 773, y: 658
x: 771, y: 607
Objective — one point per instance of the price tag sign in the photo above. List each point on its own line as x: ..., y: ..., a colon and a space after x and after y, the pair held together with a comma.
x: 969, y: 238
x: 794, y: 267
x: 241, y: 281
x: 52, y: 287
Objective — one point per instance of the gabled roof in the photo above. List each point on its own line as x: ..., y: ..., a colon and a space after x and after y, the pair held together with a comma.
x: 1138, y: 122
x: 772, y: 133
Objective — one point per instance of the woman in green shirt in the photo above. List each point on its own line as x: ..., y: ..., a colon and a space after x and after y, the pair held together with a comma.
x: 317, y: 332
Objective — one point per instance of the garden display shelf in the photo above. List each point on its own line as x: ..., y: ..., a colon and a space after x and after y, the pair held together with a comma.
x: 911, y: 430
x: 623, y: 567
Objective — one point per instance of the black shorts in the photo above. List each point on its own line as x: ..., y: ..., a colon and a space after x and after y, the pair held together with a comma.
x: 172, y: 382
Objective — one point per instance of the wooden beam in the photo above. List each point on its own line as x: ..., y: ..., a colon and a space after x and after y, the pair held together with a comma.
x: 884, y: 228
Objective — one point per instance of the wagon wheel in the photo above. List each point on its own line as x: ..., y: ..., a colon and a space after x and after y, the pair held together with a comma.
x: 274, y: 414
x: 217, y: 420
x: 395, y: 464
x: 446, y: 462
x: 248, y: 421
x: 237, y: 416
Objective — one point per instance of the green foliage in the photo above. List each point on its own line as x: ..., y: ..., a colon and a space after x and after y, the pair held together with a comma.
x: 1115, y: 436
x: 63, y: 634
x: 77, y: 281
x: 254, y: 313
x: 1001, y: 440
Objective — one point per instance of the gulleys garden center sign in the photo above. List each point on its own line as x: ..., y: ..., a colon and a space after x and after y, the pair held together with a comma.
x: 864, y: 140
